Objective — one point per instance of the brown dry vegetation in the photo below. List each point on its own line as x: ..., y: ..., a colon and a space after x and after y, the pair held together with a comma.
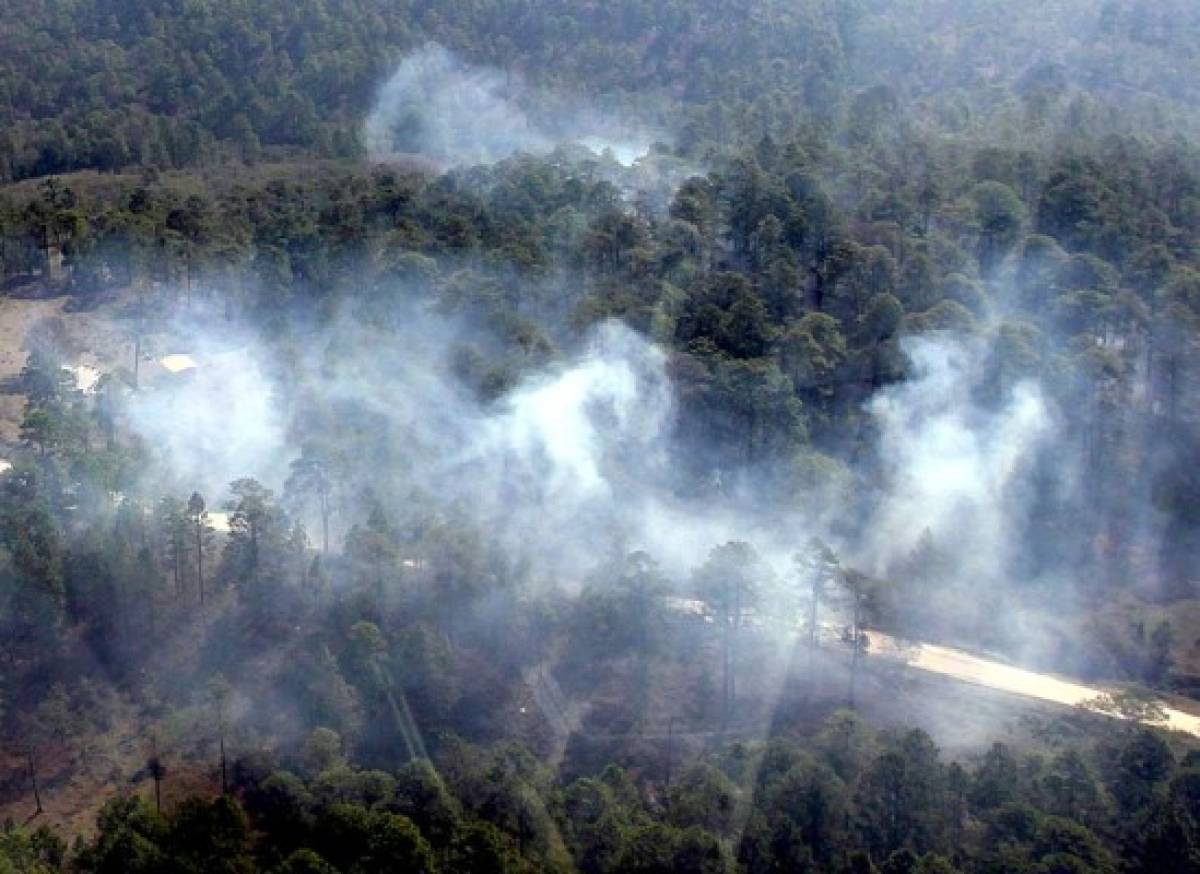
x: 96, y: 337
x: 77, y: 778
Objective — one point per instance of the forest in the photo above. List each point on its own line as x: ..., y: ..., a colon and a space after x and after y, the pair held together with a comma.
x: 508, y: 436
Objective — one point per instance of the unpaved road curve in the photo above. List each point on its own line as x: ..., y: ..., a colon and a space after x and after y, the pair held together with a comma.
x: 979, y: 671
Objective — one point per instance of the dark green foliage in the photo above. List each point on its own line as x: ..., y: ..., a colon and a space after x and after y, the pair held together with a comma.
x: 900, y: 797
x: 1142, y: 763
x: 131, y: 838
x: 772, y: 807
x: 305, y: 862
x: 211, y: 836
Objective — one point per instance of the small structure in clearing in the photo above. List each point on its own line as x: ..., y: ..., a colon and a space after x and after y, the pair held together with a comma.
x: 178, y: 362
x: 86, y: 376
x: 219, y: 522
x: 686, y: 609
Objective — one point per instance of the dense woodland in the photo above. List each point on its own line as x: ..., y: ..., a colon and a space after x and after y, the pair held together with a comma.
x: 845, y: 797
x: 859, y: 177
x: 127, y: 84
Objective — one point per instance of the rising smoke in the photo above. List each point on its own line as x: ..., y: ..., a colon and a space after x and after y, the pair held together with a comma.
x: 218, y: 422
x: 580, y: 461
x: 571, y: 466
x: 455, y: 114
x: 953, y: 466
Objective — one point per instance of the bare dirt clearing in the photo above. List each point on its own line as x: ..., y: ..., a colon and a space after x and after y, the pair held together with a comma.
x: 17, y: 317
x: 94, y: 341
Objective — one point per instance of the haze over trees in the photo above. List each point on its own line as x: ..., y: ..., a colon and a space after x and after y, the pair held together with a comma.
x: 529, y: 516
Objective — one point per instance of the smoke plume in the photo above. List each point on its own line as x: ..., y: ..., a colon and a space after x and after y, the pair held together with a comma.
x: 953, y: 465
x: 437, y: 107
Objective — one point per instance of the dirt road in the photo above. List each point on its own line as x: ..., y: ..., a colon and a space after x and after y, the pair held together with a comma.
x: 979, y: 671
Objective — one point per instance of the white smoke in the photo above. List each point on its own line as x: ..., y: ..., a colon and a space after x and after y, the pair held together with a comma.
x: 610, y: 407
x: 572, y: 465
x: 577, y: 460
x: 215, y: 423
x: 456, y: 114
x: 951, y: 463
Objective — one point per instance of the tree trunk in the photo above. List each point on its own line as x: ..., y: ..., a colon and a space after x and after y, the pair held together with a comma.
x: 726, y: 643
x: 253, y: 550
x: 733, y: 642
x: 175, y: 564
x: 37, y: 795
x: 812, y: 634
x: 670, y: 750
x: 200, y: 557
x: 643, y: 678
x: 324, y: 523
x: 854, y: 633
x: 137, y: 344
